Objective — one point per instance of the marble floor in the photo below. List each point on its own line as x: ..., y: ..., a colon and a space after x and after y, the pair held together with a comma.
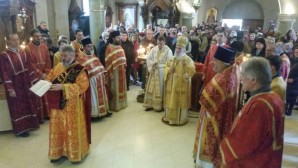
x: 132, y: 138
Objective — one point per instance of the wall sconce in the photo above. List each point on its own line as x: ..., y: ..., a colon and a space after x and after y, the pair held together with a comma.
x: 23, y: 15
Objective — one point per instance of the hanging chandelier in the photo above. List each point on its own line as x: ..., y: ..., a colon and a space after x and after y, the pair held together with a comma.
x: 23, y: 14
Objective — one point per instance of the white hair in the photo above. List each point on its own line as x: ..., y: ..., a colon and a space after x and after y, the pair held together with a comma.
x: 105, y: 34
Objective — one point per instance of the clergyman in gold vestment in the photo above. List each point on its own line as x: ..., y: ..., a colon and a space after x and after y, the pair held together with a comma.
x: 69, y: 133
x: 178, y: 74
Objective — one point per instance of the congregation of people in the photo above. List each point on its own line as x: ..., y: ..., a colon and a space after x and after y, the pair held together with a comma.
x: 250, y: 82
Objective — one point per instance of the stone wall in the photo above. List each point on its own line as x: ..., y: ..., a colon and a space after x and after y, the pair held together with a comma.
x: 290, y: 7
x: 270, y: 11
x: 55, y: 13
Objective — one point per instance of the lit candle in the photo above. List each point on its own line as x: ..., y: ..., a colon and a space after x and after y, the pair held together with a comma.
x: 23, y: 45
x: 138, y: 52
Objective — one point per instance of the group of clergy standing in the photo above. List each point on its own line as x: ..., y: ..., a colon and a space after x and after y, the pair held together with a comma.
x: 85, y: 86
x: 81, y: 88
x: 229, y: 134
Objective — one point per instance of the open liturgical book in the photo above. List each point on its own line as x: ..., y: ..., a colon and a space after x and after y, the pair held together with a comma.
x: 41, y: 87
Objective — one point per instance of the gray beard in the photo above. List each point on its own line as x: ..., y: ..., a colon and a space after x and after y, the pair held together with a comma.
x: 178, y: 55
x: 65, y: 64
x: 90, y: 52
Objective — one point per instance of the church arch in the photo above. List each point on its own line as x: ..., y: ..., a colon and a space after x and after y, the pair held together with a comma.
x: 243, y: 9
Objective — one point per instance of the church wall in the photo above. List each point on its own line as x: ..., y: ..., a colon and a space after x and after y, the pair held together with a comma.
x: 270, y: 8
x: 55, y: 13
x: 114, y: 7
x: 254, y: 10
x: 290, y: 7
x: 41, y: 10
x: 51, y: 20
x: 61, y: 17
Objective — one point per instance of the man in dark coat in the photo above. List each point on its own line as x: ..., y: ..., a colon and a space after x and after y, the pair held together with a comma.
x: 43, y: 28
x: 101, y: 48
x: 292, y: 85
x: 130, y: 55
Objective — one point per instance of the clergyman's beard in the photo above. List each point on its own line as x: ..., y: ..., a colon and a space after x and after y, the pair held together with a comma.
x: 91, y: 52
x: 36, y: 42
x: 67, y: 63
x: 178, y: 54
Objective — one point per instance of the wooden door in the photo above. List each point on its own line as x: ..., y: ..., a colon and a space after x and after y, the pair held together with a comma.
x: 252, y: 24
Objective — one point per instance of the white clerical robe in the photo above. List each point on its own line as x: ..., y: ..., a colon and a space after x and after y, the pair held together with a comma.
x: 155, y: 87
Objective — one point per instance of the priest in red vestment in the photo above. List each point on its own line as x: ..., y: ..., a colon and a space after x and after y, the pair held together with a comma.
x: 96, y: 74
x: 256, y: 136
x: 208, y: 71
x: 115, y: 63
x: 218, y: 109
x: 17, y: 75
x: 41, y: 63
x: 70, y: 128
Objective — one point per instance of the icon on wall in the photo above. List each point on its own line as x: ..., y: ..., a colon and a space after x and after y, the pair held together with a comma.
x: 211, y: 15
x: 127, y: 15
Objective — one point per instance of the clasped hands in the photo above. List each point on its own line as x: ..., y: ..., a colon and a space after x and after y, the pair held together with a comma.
x: 12, y: 93
x: 155, y: 64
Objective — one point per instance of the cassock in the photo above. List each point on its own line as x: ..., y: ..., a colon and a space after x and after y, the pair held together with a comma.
x: 57, y: 58
x: 96, y: 74
x: 17, y: 74
x: 178, y: 90
x: 218, y: 109
x: 256, y: 137
x: 115, y: 63
x: 40, y: 61
x: 155, y: 87
x: 70, y: 121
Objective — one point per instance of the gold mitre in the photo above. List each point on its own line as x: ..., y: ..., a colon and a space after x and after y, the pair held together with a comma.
x: 182, y: 41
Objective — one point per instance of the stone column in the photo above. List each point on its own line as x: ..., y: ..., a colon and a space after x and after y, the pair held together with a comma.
x: 61, y: 18
x: 140, y: 17
x: 196, y: 5
x: 41, y: 12
x: 97, y: 19
x: 285, y: 22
